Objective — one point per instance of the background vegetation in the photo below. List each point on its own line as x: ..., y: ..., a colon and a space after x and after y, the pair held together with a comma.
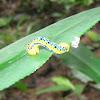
x: 20, y: 18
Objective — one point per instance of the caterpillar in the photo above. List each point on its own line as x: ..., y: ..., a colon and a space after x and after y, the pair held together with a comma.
x: 33, y: 47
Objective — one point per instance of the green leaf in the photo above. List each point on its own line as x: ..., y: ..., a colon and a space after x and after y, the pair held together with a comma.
x: 54, y: 89
x: 94, y: 36
x: 16, y: 63
x: 82, y: 77
x: 64, y: 81
x: 29, y: 27
x: 78, y: 89
x: 5, y: 21
x: 21, y: 21
x: 83, y: 60
x: 79, y: 75
x: 93, y: 46
x: 21, y: 86
x: 97, y: 86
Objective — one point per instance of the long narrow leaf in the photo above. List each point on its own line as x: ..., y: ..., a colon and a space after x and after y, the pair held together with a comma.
x: 15, y: 63
x: 83, y: 60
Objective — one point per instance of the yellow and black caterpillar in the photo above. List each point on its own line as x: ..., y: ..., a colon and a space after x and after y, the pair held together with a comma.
x: 33, y: 47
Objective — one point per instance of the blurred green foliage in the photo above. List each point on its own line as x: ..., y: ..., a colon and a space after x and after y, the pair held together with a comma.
x: 5, y: 21
x: 11, y: 30
x: 68, y: 4
x: 63, y: 84
x: 21, y: 86
x: 36, y: 12
x: 94, y: 36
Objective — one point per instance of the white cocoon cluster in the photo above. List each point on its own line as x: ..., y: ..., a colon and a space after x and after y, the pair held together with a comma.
x: 75, y: 43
